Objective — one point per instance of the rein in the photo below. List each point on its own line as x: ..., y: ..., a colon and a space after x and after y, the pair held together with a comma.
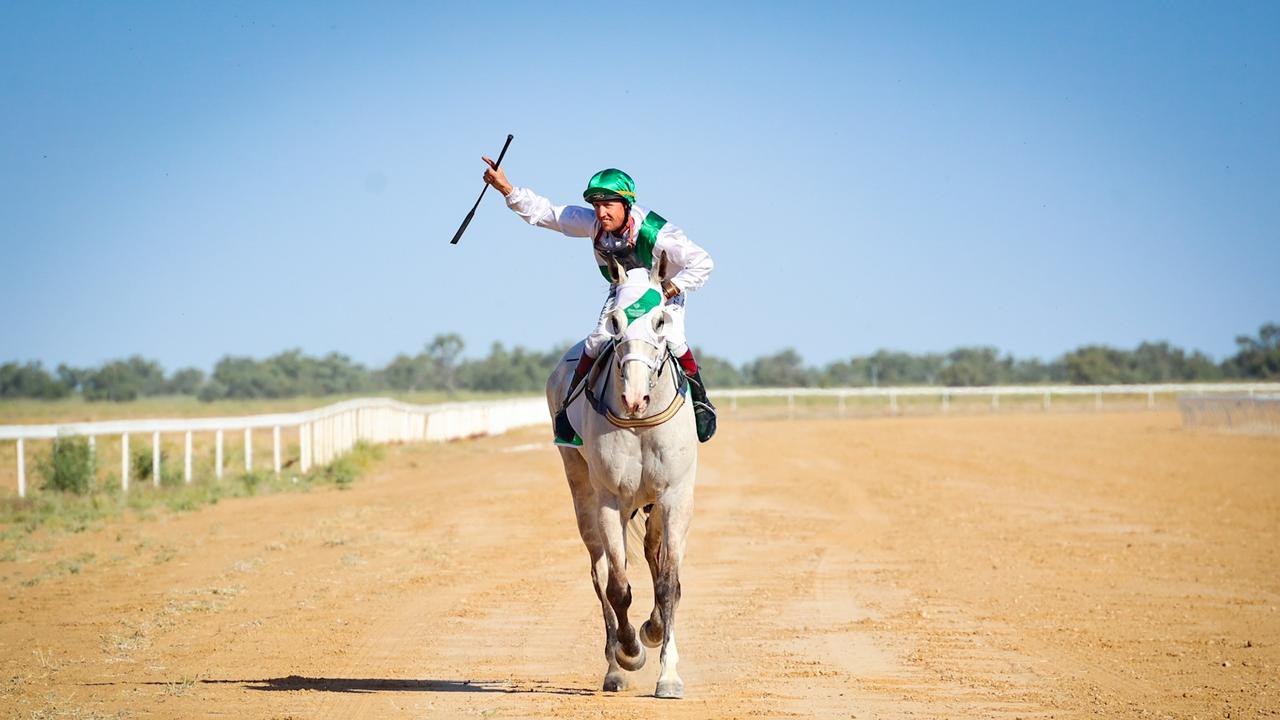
x: 647, y: 422
x: 637, y: 423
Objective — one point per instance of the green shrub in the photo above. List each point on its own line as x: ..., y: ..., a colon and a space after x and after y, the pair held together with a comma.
x: 69, y: 466
x: 140, y: 463
x: 170, y: 473
x: 251, y: 481
x: 348, y: 468
x: 342, y: 472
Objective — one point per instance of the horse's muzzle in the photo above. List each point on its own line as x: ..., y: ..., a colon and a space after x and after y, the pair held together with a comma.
x: 635, y: 406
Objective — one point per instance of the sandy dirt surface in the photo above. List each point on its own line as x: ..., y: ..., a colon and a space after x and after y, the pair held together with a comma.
x: 1084, y: 565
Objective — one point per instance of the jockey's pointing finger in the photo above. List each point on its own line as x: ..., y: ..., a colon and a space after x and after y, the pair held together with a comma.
x: 493, y: 175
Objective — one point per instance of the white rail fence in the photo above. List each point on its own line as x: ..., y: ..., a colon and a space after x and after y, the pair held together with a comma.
x: 946, y: 394
x: 323, y: 434
x: 1255, y: 413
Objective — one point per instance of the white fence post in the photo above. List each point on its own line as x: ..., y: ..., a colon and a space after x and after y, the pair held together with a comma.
x: 791, y: 406
x: 275, y: 442
x: 841, y: 404
x: 124, y: 462
x: 946, y: 402
x: 1151, y: 399
x: 248, y: 449
x: 22, y: 471
x: 995, y: 401
x: 217, y: 454
x: 186, y: 460
x: 304, y: 447
x: 1047, y: 401
x: 155, y: 458
x: 893, y: 402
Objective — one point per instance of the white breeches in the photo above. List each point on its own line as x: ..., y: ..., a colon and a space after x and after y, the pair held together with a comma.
x: 675, y: 328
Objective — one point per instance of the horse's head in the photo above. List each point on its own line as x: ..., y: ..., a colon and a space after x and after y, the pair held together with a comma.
x: 639, y: 325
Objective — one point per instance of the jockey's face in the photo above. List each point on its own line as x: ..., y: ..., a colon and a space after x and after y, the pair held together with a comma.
x: 611, y: 214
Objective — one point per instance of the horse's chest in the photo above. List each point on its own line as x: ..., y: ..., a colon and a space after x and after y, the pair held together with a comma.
x: 628, y: 466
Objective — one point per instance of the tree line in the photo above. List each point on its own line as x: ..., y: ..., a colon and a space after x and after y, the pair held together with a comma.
x: 439, y: 366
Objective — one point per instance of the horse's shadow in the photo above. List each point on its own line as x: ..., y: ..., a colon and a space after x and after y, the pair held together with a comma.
x: 371, y: 685
x: 362, y: 685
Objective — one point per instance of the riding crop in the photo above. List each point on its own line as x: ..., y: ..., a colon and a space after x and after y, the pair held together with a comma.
x: 462, y: 228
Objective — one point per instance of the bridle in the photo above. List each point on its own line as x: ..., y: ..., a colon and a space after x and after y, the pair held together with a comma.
x: 656, y: 369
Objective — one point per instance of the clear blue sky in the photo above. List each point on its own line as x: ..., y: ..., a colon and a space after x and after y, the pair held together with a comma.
x: 187, y: 180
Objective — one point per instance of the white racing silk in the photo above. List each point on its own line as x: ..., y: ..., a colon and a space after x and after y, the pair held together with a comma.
x: 688, y: 265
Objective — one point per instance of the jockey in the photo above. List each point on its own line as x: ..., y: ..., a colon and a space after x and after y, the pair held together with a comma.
x: 634, y: 236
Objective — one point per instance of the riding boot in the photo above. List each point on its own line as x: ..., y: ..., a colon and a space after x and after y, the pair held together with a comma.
x: 563, y: 429
x: 704, y: 413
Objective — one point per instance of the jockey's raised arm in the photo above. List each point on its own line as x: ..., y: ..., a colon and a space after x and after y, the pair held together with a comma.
x: 570, y: 220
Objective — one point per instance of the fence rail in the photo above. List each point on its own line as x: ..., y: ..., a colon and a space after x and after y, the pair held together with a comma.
x: 995, y: 392
x: 1257, y: 413
x: 323, y: 434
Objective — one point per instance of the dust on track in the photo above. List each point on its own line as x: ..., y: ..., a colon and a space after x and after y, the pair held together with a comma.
x: 1050, y: 565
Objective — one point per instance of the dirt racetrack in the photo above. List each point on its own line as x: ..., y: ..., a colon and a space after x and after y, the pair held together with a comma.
x: 1039, y: 565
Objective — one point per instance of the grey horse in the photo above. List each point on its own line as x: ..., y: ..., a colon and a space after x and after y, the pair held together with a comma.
x: 639, y: 450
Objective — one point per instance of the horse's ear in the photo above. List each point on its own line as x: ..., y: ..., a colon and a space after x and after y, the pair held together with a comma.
x: 659, y: 269
x: 616, y: 271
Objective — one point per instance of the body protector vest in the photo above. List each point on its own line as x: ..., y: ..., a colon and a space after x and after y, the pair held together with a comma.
x: 631, y: 256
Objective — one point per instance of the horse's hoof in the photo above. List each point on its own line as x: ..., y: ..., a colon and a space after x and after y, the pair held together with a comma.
x: 650, y: 634
x: 629, y: 662
x: 670, y: 689
x: 613, y: 682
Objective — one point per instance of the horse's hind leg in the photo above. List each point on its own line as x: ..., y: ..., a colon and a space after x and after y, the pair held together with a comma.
x: 677, y: 510
x: 627, y: 650
x: 584, y: 507
x: 651, y: 632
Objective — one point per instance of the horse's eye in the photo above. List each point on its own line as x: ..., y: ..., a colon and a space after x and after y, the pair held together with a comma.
x: 614, y: 325
x: 659, y: 322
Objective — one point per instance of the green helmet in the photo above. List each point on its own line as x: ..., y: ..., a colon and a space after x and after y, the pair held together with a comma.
x: 610, y: 184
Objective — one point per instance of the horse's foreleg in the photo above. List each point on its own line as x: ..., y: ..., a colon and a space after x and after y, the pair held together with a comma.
x: 627, y: 650
x: 677, y: 510
x: 614, y: 678
x: 584, y: 508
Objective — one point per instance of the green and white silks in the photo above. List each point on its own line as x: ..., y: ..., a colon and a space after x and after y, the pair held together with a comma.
x: 688, y: 265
